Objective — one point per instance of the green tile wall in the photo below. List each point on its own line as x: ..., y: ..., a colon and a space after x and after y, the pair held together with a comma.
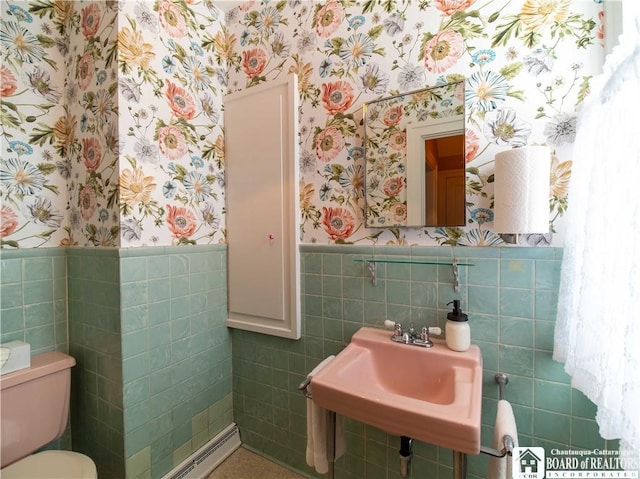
x: 94, y: 340
x: 33, y: 308
x: 510, y: 295
x: 176, y: 354
x: 146, y: 325
x: 33, y: 298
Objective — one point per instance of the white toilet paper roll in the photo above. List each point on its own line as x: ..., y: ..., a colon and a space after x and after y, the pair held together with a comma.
x: 521, y: 190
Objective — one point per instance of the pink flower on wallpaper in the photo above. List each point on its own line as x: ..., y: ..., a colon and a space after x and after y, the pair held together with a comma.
x: 443, y: 51
x: 8, y: 84
x: 338, y: 223
x: 91, y: 154
x: 398, y: 140
x: 254, y: 61
x: 329, y: 18
x: 337, y: 96
x: 8, y: 221
x: 85, y: 70
x: 449, y: 7
x: 171, y: 19
x: 180, y: 102
x: 393, y: 186
x: 392, y: 116
x: 181, y: 221
x: 90, y: 22
x: 399, y: 212
x: 329, y: 143
x: 88, y: 201
x: 172, y: 142
x: 471, y: 145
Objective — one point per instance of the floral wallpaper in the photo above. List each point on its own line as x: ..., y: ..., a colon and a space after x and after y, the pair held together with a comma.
x: 527, y: 65
x: 386, y: 144
x: 112, y: 121
x: 112, y: 112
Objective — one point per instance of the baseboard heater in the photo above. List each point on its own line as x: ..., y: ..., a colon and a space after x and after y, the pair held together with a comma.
x: 200, y: 464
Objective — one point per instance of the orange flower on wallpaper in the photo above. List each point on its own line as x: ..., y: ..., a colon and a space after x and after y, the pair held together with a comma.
x: 443, y: 51
x: 90, y: 22
x: 328, y: 18
x: 64, y: 130
x: 254, y: 61
x: 536, y: 14
x: 399, y: 211
x: 88, y: 201
x: 181, y: 221
x: 8, y: 221
x: 171, y: 19
x: 449, y: 7
x: 471, y: 145
x: 338, y: 223
x: 337, y: 96
x: 8, y: 83
x: 172, y: 142
x: 91, y: 154
x: 84, y: 70
x: 180, y: 102
x: 393, y: 186
x: 398, y: 140
x: 393, y: 115
x: 133, y: 50
x: 135, y: 187
x: 560, y: 177
x: 329, y: 143
x: 224, y: 43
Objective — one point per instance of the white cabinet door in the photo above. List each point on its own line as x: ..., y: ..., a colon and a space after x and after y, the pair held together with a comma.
x: 262, y: 215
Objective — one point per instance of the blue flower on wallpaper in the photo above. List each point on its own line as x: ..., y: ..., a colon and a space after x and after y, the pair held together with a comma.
x: 482, y: 215
x: 482, y: 57
x: 169, y: 189
x: 356, y: 153
x: 196, y: 49
x: 20, y: 42
x: 101, y: 77
x: 20, y: 13
x: 20, y: 148
x: 197, y: 161
x: 325, y: 67
x: 168, y: 65
x: 356, y: 21
x: 357, y: 49
x: 485, y: 90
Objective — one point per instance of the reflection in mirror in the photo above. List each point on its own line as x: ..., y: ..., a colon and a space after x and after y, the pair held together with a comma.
x: 415, y: 166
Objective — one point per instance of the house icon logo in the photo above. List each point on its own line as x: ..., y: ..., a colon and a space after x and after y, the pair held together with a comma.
x: 528, y: 463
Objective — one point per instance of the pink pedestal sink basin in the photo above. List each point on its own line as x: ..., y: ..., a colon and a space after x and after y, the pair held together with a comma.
x: 429, y: 394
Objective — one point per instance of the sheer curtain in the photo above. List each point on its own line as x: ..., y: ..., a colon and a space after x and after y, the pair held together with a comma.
x: 597, y: 332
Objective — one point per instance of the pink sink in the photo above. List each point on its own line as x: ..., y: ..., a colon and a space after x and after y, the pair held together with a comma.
x: 429, y: 394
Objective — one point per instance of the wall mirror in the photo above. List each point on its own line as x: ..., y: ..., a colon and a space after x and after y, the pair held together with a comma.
x: 415, y: 158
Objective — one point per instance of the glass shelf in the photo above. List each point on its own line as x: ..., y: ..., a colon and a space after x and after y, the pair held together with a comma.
x: 453, y: 262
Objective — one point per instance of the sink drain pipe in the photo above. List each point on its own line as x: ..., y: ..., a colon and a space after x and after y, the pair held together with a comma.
x: 405, y: 455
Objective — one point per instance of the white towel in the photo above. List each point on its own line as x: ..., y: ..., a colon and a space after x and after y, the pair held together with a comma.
x: 500, y: 467
x: 317, y: 420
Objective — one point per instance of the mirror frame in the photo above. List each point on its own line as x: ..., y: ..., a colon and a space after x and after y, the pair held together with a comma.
x: 427, y: 113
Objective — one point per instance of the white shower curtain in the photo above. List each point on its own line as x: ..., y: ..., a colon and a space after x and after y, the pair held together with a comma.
x: 598, y: 325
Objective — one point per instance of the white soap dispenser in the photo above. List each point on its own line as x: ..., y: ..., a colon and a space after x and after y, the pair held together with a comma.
x: 457, y: 330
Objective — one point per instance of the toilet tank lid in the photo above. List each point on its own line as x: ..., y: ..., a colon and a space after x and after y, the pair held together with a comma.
x: 41, y: 365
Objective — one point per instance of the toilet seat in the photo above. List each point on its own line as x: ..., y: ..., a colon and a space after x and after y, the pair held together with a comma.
x: 52, y: 465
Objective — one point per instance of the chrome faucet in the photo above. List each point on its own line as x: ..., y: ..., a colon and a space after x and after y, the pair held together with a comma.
x: 411, y: 337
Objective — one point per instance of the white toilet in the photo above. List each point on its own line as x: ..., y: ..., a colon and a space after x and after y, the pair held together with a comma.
x: 35, y: 407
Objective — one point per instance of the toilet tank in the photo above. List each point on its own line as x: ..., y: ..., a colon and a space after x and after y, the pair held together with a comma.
x: 34, y: 405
